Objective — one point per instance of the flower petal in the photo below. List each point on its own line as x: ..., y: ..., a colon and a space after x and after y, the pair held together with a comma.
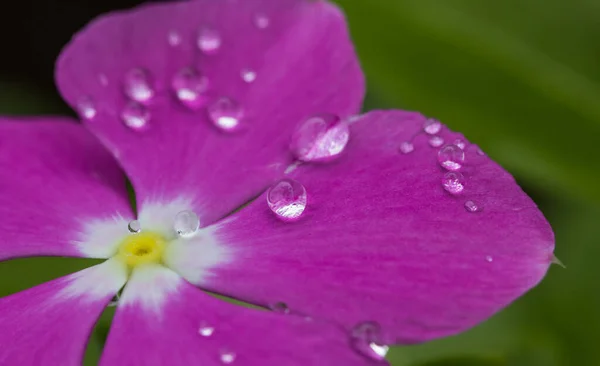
x: 382, y: 240
x: 188, y: 327
x: 50, y: 323
x: 56, y: 181
x: 173, y: 149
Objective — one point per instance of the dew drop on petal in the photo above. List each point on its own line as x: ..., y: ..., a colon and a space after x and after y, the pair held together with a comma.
x: 451, y: 157
x: 103, y: 79
x: 453, y: 182
x: 134, y: 227
x: 472, y: 206
x: 137, y: 85
x: 174, y: 38
x: 280, y: 307
x: 206, y: 330
x: 135, y: 116
x: 287, y: 199
x: 489, y: 258
x: 226, y: 114
x: 248, y: 75
x: 86, y: 108
x: 407, y: 147
x: 227, y: 356
x: 209, y: 41
x: 432, y: 126
x: 366, y: 339
x: 460, y: 143
x: 190, y: 87
x: 320, y: 138
x: 436, y: 141
x: 186, y: 223
x: 479, y: 151
x: 261, y: 21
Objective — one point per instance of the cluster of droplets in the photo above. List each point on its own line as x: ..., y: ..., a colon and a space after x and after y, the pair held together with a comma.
x: 207, y: 330
x: 185, y: 224
x: 188, y: 85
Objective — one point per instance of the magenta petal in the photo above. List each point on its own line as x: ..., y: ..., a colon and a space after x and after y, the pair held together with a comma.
x: 381, y: 239
x: 193, y: 328
x: 211, y: 92
x: 51, y: 323
x: 54, y: 179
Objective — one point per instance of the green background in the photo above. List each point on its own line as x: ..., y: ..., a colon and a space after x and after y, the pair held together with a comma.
x: 521, y: 78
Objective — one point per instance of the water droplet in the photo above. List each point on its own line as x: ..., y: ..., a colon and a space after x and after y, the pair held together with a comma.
x: 261, y: 21
x: 407, y: 147
x: 206, y: 330
x: 248, y: 75
x: 103, y: 79
x: 451, y: 157
x: 135, y: 116
x: 366, y: 339
x: 473, y: 206
x: 227, y: 356
x: 460, y: 143
x: 479, y: 151
x: 436, y: 141
x: 137, y: 85
x: 226, y: 114
x: 209, y: 41
x: 174, y: 38
x: 190, y: 86
x: 432, y: 126
x: 489, y: 258
x: 86, y: 108
x: 186, y: 223
x: 134, y: 227
x: 320, y: 138
x: 280, y: 307
x: 453, y: 182
x: 287, y: 199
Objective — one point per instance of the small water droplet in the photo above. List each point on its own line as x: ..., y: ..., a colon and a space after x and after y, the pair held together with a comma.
x: 436, y: 141
x: 473, y: 206
x: 137, y: 85
x: 460, y: 143
x: 134, y: 227
x: 226, y: 114
x: 206, y: 330
x: 453, y: 182
x: 489, y: 258
x: 407, y: 147
x: 209, y: 41
x: 135, y: 116
x: 261, y: 21
x: 287, y: 199
x: 280, y: 307
x: 86, y: 108
x: 366, y: 339
x: 320, y: 138
x: 190, y: 87
x: 248, y: 75
x: 103, y: 79
x: 174, y: 38
x: 451, y: 157
x: 432, y: 126
x: 227, y: 356
x: 186, y: 223
x: 479, y: 151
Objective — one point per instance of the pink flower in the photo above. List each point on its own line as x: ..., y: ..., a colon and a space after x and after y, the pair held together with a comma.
x: 391, y: 230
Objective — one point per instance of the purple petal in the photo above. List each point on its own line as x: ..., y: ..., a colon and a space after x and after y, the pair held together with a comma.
x: 51, y: 323
x: 180, y: 325
x: 382, y: 241
x: 210, y: 90
x: 55, y: 178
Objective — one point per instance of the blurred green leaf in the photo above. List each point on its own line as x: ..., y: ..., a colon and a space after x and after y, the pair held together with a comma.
x: 518, y: 77
x: 464, y: 361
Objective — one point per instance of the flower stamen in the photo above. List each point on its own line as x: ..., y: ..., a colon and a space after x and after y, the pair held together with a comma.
x: 142, y: 248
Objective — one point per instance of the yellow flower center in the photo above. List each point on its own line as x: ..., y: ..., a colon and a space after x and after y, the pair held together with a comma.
x: 142, y: 248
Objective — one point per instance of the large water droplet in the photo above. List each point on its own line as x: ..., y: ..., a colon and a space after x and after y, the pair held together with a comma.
x: 473, y: 206
x: 226, y: 114
x: 436, y: 141
x: 366, y: 339
x: 137, y: 85
x: 248, y: 75
x: 206, y: 330
x: 451, y: 157
x: 186, y: 223
x: 86, y: 108
x: 134, y: 227
x: 227, y: 356
x: 432, y: 126
x: 280, y: 307
x: 407, y: 147
x: 261, y: 21
x: 320, y: 138
x: 209, y: 41
x: 287, y: 199
x: 135, y: 116
x: 190, y: 87
x: 453, y: 182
